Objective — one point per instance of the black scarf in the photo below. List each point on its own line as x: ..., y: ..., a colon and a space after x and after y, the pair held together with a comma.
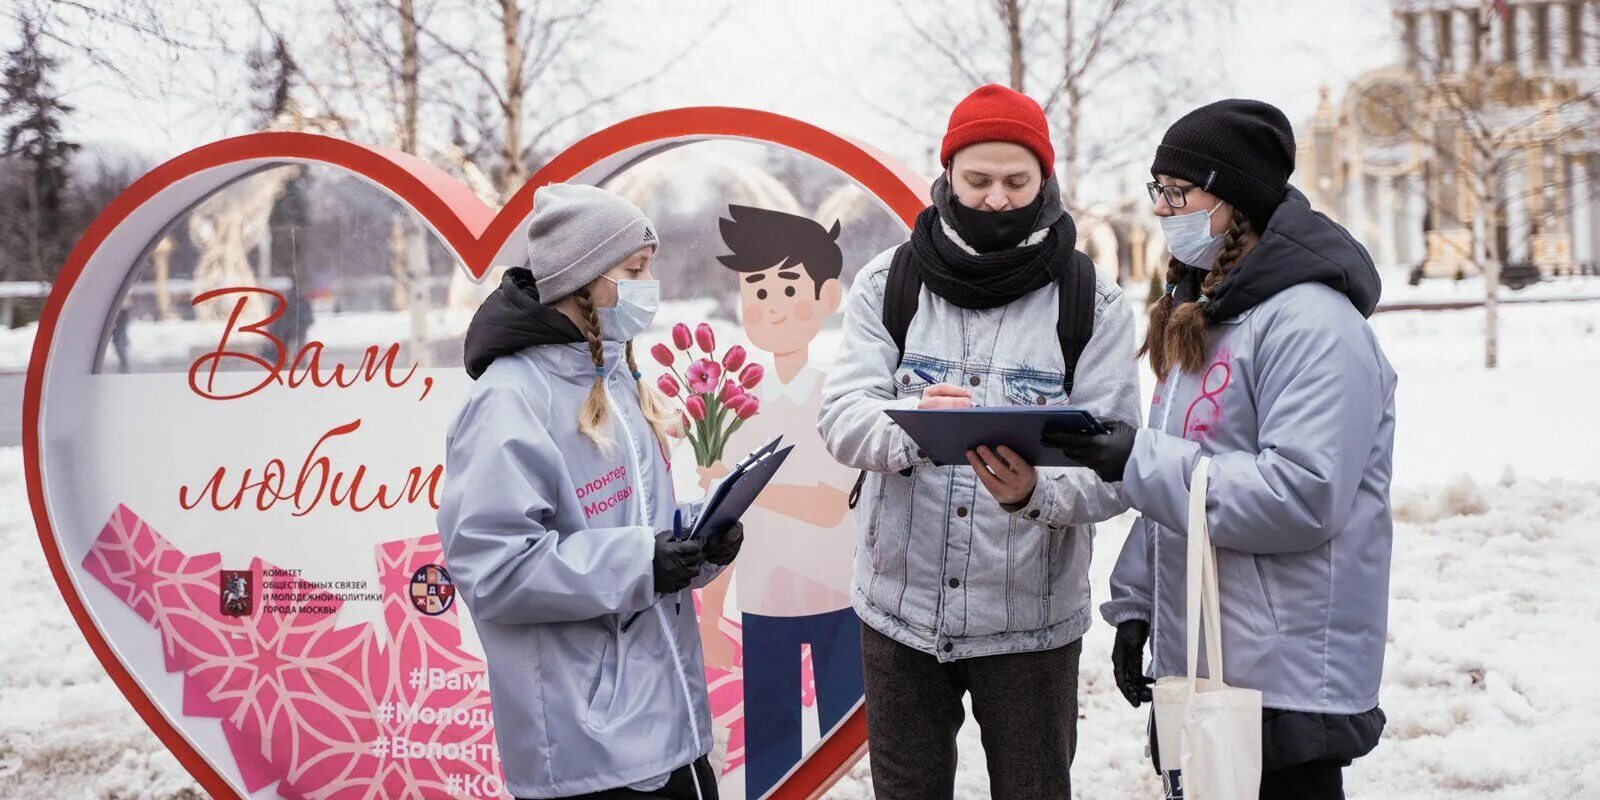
x: 989, y: 280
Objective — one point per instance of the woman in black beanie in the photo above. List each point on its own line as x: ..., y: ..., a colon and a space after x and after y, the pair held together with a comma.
x: 1268, y: 367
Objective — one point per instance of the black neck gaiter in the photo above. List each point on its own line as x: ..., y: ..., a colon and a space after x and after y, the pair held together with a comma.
x: 990, y: 279
x: 988, y: 231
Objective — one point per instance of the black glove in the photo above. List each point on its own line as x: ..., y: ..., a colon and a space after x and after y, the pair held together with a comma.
x: 1127, y: 661
x: 676, y: 563
x: 723, y: 546
x: 1105, y: 453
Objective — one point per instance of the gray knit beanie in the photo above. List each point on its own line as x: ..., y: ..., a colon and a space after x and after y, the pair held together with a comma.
x: 577, y: 233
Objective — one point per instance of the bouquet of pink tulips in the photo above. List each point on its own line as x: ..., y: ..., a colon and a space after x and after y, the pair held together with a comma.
x: 714, y: 393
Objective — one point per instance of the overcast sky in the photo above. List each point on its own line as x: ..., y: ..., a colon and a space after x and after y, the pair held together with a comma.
x: 833, y: 63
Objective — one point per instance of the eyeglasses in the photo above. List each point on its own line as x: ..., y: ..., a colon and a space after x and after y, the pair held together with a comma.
x: 1172, y: 192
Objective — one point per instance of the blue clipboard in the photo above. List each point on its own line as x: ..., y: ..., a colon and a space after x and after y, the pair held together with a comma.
x: 738, y: 491
x: 733, y: 496
x: 948, y: 433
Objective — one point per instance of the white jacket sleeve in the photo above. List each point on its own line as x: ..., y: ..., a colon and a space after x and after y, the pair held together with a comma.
x: 1106, y: 384
x: 860, y: 387
x: 501, y: 472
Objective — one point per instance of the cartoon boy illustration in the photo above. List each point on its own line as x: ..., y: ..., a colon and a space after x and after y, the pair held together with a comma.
x: 794, y: 571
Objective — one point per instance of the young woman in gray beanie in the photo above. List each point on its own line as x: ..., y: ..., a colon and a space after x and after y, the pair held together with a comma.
x: 558, y: 515
x: 1266, y: 366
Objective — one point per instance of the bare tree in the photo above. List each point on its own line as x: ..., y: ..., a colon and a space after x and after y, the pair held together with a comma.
x: 150, y: 53
x: 416, y: 75
x: 163, y: 30
x: 1095, y: 66
x: 377, y: 47
x: 1492, y: 116
x: 35, y: 225
x: 546, y: 51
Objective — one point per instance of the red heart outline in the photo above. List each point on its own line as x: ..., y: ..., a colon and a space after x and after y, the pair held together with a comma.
x: 475, y: 233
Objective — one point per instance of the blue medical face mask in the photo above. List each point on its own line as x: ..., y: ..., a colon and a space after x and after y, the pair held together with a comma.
x: 637, y: 303
x: 1189, y: 238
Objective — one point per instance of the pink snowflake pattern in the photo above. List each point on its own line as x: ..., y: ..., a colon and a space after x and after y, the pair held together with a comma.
x: 725, y: 691
x: 327, y: 712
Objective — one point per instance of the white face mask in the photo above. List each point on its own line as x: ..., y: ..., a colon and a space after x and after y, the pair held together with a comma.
x: 637, y: 303
x: 1189, y: 238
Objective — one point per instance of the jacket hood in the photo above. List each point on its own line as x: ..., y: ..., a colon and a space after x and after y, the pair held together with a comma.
x: 512, y: 319
x: 1300, y: 245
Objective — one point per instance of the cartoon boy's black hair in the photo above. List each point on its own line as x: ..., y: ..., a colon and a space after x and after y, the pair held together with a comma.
x: 761, y: 238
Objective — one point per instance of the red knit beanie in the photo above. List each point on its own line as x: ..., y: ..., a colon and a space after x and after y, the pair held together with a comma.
x: 994, y: 113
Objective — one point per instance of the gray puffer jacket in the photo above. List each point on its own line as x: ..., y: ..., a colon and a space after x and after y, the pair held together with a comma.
x: 551, y: 542
x: 1295, y: 406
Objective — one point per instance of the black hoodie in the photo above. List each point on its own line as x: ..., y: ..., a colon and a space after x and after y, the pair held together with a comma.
x: 1300, y: 245
x: 512, y: 319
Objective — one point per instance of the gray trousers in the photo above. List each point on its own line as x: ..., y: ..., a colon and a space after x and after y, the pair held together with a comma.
x: 1026, y: 705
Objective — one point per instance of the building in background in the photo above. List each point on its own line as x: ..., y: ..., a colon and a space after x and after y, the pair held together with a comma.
x: 1398, y: 158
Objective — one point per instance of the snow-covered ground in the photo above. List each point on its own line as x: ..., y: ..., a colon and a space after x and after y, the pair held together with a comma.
x: 1396, y: 291
x: 1492, y: 622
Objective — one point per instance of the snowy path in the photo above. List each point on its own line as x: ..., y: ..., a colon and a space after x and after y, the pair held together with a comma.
x: 1486, y: 685
x: 1492, y: 618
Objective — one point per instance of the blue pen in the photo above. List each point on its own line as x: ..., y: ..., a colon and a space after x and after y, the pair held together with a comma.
x: 930, y: 379
x: 677, y: 534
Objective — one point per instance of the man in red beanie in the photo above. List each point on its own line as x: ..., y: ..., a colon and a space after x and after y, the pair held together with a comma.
x: 974, y: 578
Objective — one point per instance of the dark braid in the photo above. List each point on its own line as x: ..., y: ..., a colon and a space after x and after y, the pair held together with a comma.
x: 1160, y: 311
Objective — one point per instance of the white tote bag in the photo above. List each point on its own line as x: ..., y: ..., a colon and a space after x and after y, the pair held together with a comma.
x: 1206, y: 728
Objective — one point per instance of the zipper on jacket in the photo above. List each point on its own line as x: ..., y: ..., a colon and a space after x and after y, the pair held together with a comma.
x: 1153, y: 530
x: 688, y: 697
x: 633, y: 455
x: 1166, y: 399
x: 666, y: 624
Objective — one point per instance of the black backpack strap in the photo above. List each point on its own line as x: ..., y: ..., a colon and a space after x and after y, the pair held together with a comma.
x: 1075, y: 317
x: 902, y: 291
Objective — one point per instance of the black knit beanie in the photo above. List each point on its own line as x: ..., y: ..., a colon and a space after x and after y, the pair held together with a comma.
x: 1239, y: 150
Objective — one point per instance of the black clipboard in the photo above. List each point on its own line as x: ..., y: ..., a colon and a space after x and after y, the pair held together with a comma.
x: 948, y: 433
x: 734, y: 496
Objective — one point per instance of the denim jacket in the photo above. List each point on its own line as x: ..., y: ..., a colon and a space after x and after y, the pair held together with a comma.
x: 940, y: 565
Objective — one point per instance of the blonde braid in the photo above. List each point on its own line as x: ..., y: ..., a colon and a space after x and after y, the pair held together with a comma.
x: 653, y: 405
x: 592, y: 415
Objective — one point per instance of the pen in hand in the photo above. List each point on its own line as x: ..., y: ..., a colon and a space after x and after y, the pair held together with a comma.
x: 674, y: 536
x: 677, y: 534
x: 932, y: 380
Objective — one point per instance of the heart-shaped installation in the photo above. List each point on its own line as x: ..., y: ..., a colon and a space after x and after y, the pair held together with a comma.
x: 246, y: 660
